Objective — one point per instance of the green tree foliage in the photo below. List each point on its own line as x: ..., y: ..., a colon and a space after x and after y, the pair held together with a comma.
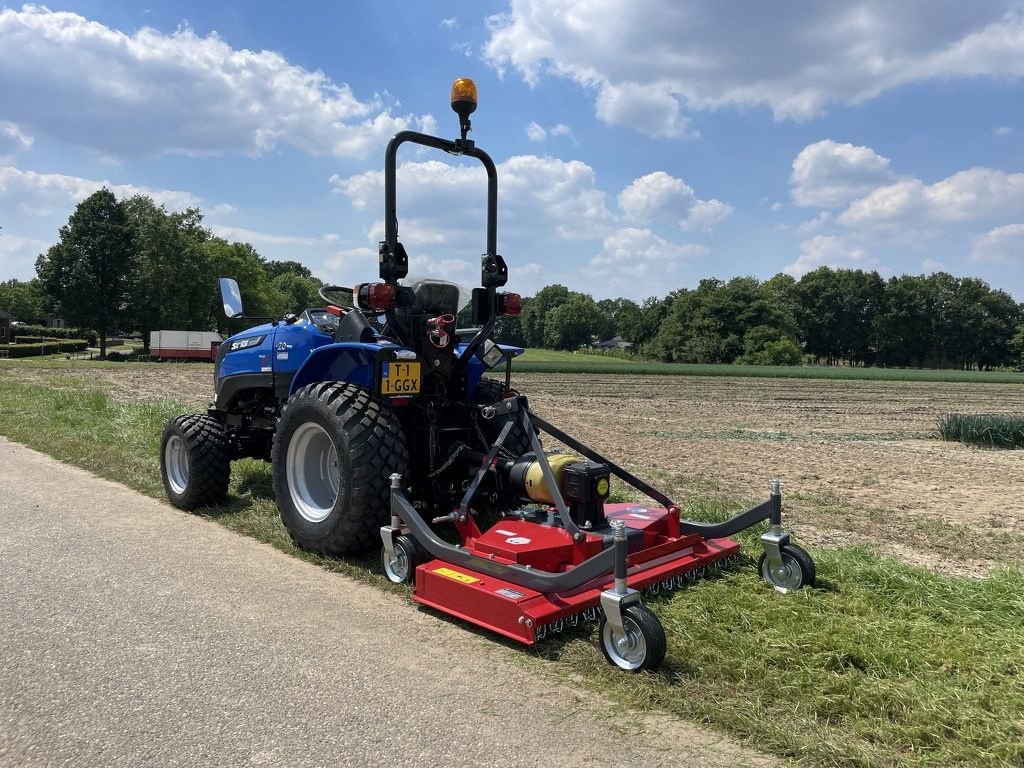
x: 653, y: 312
x: 766, y: 345
x: 23, y: 299
x: 275, y: 269
x: 837, y: 315
x: 174, y: 282
x: 242, y: 262
x: 295, y: 292
x: 710, y: 324
x: 88, y: 274
x: 623, y: 318
x: 945, y: 321
x: 575, y: 322
x: 534, y: 314
x: 1017, y: 347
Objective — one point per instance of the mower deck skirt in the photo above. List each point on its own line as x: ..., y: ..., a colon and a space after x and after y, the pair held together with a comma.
x: 517, y: 612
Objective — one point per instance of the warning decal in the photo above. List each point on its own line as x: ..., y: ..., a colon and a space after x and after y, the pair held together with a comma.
x: 465, y: 578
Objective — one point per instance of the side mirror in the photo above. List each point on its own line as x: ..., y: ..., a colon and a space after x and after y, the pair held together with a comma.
x: 231, y: 297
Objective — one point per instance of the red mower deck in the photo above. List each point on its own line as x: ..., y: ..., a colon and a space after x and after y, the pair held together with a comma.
x: 520, y: 613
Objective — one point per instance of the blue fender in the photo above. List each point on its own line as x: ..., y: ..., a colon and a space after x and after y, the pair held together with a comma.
x: 347, y: 361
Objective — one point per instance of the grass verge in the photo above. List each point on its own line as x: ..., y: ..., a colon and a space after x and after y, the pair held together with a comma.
x: 883, y: 664
x: 549, y: 361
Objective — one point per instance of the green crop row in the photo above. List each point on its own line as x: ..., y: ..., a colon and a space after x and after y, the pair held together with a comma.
x: 983, y: 429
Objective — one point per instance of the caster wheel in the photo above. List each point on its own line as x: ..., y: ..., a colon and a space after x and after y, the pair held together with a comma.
x: 408, y: 554
x: 797, y: 569
x: 641, y: 647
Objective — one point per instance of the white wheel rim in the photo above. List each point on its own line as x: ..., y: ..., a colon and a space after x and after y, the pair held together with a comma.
x: 397, y: 569
x: 789, y: 576
x: 627, y: 650
x: 176, y: 463
x: 312, y: 471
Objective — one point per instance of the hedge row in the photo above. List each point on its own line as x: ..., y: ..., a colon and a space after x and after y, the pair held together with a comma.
x: 46, y: 348
x: 41, y: 331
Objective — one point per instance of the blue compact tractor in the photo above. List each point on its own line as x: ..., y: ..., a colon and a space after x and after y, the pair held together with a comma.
x: 382, y: 430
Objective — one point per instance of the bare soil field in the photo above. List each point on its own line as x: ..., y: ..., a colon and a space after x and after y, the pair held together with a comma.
x: 860, y: 460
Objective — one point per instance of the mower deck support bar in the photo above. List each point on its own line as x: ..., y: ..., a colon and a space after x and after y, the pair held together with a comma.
x: 524, y: 576
x: 620, y: 596
x: 775, y: 538
x: 484, y: 467
x: 549, y: 478
x: 388, y: 533
x: 593, y: 455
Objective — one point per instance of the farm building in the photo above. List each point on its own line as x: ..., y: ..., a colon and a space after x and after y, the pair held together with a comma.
x: 616, y: 342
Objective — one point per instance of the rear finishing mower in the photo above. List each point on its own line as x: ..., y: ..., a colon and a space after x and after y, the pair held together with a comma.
x: 381, y: 429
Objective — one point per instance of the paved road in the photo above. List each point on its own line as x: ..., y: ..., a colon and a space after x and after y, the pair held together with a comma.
x: 132, y: 634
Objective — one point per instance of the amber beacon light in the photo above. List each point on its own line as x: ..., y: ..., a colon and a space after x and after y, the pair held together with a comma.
x: 464, y: 102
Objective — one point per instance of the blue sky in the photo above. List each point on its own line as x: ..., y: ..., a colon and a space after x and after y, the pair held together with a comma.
x: 641, y: 146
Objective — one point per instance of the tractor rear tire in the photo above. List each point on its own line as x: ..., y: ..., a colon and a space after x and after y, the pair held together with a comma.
x: 195, y: 462
x: 334, y: 452
x: 489, y: 392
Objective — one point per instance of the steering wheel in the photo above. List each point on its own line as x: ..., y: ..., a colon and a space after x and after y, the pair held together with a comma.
x: 326, y: 289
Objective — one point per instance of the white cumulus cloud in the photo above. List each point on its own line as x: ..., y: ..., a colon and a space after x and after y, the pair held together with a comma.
x: 828, y: 251
x: 266, y: 238
x: 541, y: 198
x: 634, y: 254
x: 13, y: 140
x: 43, y: 194
x: 148, y: 93
x: 650, y: 62
x: 660, y: 196
x: 1002, y: 245
x: 829, y: 174
x: 537, y: 132
x: 967, y: 195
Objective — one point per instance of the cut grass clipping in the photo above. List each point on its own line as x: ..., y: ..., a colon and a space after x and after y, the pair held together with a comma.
x: 883, y: 664
x: 985, y: 430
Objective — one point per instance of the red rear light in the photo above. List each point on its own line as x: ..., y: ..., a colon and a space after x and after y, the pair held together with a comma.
x: 378, y: 297
x: 510, y: 304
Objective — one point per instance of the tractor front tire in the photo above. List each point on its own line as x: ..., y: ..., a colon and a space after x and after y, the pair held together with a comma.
x: 195, y: 462
x: 334, y: 452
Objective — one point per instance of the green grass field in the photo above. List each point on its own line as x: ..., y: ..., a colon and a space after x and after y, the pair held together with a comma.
x: 549, y: 361
x: 883, y: 664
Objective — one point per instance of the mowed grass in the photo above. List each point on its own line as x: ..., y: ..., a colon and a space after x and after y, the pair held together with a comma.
x: 550, y: 361
x: 883, y: 664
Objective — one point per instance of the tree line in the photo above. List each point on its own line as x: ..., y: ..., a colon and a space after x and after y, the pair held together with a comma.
x: 131, y: 265
x: 828, y: 316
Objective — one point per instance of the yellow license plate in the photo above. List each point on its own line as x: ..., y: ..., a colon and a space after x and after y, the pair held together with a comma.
x: 398, y: 379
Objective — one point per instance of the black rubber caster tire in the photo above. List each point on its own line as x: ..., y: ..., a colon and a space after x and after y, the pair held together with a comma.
x: 798, y: 569
x: 408, y: 555
x: 644, y: 645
